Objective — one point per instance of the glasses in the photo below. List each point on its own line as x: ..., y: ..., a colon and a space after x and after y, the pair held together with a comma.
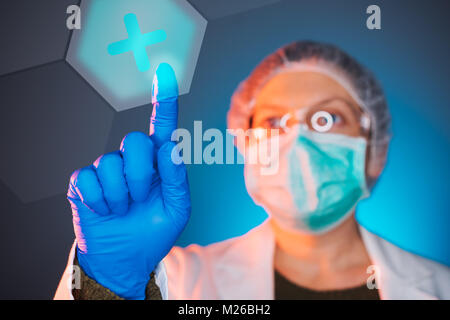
x: 329, y: 117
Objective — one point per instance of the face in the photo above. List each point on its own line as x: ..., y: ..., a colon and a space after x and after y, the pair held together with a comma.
x: 293, y: 97
x: 321, y: 173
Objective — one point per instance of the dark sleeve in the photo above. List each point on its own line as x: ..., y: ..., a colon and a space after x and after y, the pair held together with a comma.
x: 91, y: 290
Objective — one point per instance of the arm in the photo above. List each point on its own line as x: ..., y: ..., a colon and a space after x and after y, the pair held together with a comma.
x: 130, y: 206
x: 76, y: 285
x: 91, y: 290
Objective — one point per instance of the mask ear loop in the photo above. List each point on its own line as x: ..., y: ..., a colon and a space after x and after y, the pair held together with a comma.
x: 364, y: 122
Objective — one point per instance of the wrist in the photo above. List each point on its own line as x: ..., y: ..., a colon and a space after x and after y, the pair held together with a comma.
x: 125, y: 281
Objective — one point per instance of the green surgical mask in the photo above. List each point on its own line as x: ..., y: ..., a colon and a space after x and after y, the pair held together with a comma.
x: 326, y: 178
x: 320, y: 179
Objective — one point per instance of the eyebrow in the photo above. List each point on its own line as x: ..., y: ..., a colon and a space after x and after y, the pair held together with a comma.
x: 353, y: 107
x: 325, y: 101
x: 273, y: 106
x: 318, y: 104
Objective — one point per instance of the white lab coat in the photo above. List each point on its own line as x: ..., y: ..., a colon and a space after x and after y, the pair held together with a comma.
x: 242, y: 268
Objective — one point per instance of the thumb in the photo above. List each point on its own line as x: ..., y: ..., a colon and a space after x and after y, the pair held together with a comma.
x: 165, y: 105
x: 174, y: 184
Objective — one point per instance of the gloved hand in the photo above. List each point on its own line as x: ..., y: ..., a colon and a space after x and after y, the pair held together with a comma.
x: 131, y: 205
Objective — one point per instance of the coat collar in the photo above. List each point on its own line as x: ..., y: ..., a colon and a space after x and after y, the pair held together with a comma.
x: 402, y: 275
x: 248, y: 260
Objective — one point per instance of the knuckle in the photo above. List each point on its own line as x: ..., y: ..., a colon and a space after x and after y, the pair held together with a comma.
x: 134, y: 138
x: 74, y: 176
x: 108, y: 160
x: 71, y: 192
x: 80, y: 183
x: 85, y: 177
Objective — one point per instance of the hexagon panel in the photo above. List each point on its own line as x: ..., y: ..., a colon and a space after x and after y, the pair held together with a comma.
x: 121, y: 43
x: 33, y: 33
x: 215, y: 9
x: 55, y: 123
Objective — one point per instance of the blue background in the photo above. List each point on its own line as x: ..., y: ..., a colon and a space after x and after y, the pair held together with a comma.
x: 409, y: 56
x: 52, y: 121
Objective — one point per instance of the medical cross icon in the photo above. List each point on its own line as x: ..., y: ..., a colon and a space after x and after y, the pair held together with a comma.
x: 124, y: 42
x: 137, y: 42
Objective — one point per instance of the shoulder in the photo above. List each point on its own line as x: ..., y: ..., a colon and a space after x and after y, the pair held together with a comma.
x: 400, y: 266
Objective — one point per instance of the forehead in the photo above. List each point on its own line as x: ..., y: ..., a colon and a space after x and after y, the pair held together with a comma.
x: 301, y: 89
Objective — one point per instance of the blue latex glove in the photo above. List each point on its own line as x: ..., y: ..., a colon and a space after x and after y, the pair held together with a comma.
x: 131, y: 205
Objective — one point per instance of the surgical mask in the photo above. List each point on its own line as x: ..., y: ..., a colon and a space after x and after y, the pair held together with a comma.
x: 320, y: 179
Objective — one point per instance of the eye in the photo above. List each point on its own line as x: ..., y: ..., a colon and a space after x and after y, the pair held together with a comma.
x: 337, y: 119
x: 322, y: 121
x: 273, y: 122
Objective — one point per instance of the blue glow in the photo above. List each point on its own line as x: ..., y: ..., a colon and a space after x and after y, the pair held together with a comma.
x: 119, y: 60
x: 137, y: 42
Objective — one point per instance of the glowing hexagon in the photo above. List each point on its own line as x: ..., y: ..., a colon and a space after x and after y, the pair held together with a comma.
x: 121, y: 43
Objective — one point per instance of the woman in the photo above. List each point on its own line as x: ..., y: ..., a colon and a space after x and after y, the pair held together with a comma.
x: 334, y: 129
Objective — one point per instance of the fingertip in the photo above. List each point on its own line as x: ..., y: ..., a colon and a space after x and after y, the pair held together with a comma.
x: 164, y: 117
x: 165, y: 86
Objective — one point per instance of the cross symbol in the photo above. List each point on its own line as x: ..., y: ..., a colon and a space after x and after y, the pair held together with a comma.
x: 137, y: 42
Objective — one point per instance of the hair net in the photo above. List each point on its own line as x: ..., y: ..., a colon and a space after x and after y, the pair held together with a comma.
x: 328, y: 59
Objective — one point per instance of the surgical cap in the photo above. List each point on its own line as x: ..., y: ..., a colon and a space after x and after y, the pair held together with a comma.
x: 328, y: 59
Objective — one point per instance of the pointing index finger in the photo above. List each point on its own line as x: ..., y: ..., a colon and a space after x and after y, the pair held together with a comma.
x: 165, y: 105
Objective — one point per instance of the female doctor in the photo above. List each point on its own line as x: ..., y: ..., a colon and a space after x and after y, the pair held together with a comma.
x: 130, y: 206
